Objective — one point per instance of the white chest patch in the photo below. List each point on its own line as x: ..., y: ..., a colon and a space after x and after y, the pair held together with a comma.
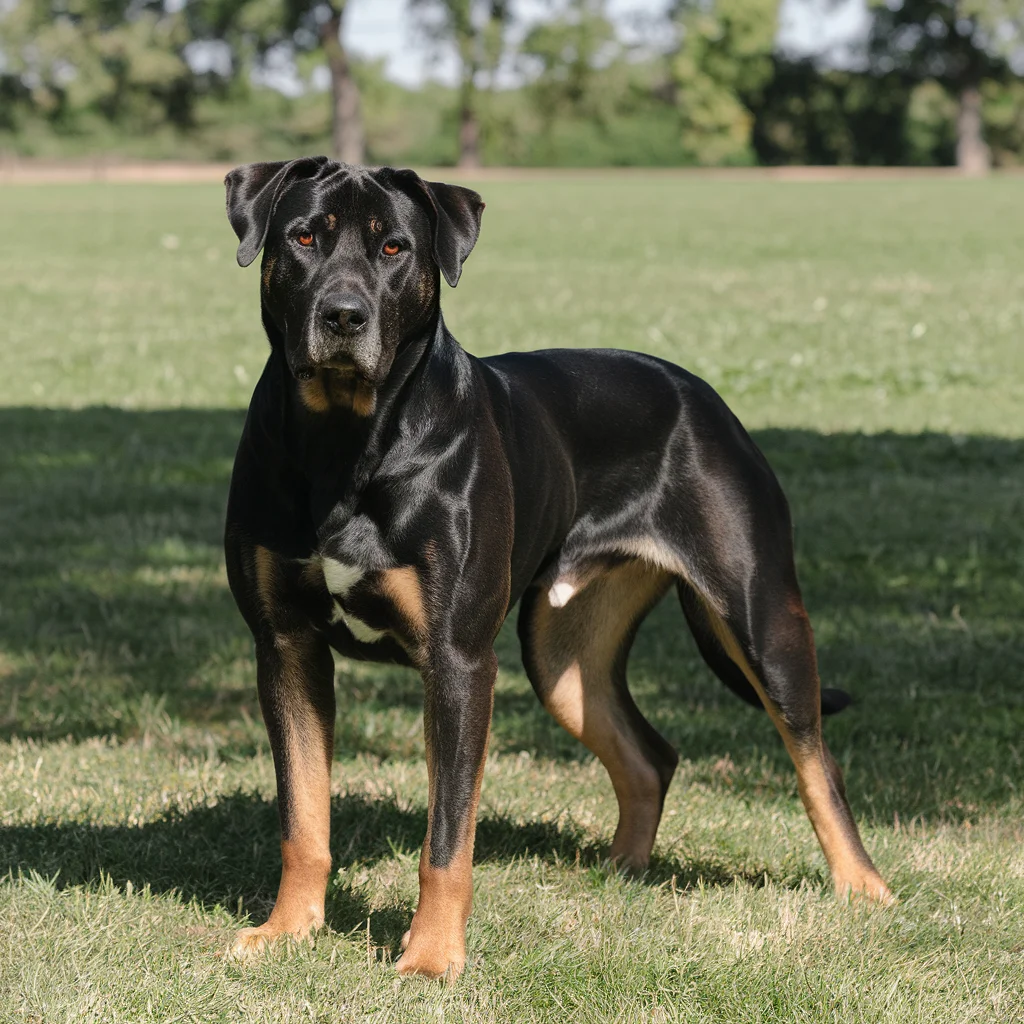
x: 340, y: 578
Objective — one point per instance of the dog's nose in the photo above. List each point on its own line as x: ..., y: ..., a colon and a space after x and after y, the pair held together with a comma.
x: 344, y: 313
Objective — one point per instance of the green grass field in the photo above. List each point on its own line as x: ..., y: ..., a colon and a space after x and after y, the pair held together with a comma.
x: 871, y: 335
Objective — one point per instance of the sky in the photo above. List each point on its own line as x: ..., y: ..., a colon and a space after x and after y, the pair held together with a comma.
x: 382, y: 28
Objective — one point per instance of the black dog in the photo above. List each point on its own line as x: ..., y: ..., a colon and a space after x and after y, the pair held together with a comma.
x: 393, y: 497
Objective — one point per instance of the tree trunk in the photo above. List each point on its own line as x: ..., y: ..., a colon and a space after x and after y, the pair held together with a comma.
x: 346, y: 114
x: 469, y: 123
x: 972, y: 155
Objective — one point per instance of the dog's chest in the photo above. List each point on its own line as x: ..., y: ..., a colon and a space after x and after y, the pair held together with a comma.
x: 342, y: 579
x: 374, y: 603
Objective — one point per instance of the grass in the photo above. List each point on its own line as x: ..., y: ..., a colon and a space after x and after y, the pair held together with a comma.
x: 869, y: 334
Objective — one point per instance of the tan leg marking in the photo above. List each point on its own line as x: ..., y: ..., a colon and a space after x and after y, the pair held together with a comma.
x: 821, y: 789
x: 265, y: 565
x: 305, y: 854
x: 402, y: 587
x: 576, y: 650
x: 435, y: 944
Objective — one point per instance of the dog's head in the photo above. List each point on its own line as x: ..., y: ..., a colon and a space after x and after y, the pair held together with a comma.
x: 351, y: 257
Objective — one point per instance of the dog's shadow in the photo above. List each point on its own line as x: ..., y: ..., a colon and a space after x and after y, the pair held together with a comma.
x: 227, y: 855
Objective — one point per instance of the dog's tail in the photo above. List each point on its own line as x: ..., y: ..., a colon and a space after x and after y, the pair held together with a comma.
x: 832, y: 700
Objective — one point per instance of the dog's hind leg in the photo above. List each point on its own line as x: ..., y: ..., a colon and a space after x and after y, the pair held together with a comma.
x: 766, y: 636
x: 575, y: 653
x: 711, y: 650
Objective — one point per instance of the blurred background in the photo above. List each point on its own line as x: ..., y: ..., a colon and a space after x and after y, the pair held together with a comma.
x: 517, y: 82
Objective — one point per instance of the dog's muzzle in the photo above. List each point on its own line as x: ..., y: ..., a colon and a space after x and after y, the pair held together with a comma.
x: 340, y: 338
x: 344, y: 314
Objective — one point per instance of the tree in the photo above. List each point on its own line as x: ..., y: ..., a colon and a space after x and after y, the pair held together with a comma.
x: 305, y: 26
x: 959, y: 43
x: 724, y: 61
x: 567, y: 54
x: 346, y: 113
x: 120, y: 59
x: 476, y: 29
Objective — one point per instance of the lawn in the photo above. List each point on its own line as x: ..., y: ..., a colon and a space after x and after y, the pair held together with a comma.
x: 871, y: 335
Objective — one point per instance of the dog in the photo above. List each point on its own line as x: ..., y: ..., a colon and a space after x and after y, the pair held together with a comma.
x: 393, y: 497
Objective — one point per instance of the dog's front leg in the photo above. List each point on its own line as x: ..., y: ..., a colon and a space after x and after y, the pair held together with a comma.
x: 295, y: 677
x: 458, y: 699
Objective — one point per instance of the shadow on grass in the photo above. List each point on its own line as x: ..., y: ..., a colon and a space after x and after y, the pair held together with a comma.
x: 115, y: 617
x: 227, y: 855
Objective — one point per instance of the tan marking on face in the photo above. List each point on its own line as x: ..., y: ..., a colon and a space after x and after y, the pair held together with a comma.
x: 332, y: 222
x: 402, y: 586
x: 852, y: 870
x: 425, y: 288
x: 313, y: 394
x: 364, y: 399
x: 268, y: 269
x: 376, y: 226
x: 330, y: 389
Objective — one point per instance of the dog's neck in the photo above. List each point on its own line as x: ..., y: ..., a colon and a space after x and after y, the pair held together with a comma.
x: 342, y: 446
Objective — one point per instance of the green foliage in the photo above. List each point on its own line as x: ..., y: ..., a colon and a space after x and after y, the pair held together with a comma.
x: 956, y: 42
x: 116, y: 59
x: 1003, y: 110
x: 575, y: 60
x: 251, y: 27
x: 92, y: 77
x: 811, y: 116
x: 930, y: 130
x: 723, y: 63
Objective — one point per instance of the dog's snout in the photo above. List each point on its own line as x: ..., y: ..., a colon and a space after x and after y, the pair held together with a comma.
x: 344, y: 313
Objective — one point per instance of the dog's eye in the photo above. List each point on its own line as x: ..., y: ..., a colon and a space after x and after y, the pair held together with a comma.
x: 392, y: 248
x: 304, y: 238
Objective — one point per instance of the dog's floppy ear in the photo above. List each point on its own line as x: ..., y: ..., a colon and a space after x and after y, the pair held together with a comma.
x: 455, y: 214
x: 252, y: 193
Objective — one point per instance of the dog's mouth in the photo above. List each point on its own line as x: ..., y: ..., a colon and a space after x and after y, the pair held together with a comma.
x: 339, y: 372
x: 340, y: 366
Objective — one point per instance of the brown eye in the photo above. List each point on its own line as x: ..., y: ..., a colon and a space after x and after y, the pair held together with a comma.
x: 305, y: 238
x: 392, y: 248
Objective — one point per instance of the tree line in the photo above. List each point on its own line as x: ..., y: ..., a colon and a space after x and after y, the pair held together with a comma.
x: 933, y: 82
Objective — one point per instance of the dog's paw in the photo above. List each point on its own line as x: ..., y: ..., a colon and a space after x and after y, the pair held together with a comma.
x: 444, y: 962
x: 865, y: 887
x: 253, y: 942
